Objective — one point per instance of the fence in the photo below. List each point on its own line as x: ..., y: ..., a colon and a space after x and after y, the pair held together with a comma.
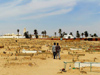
x: 86, y: 66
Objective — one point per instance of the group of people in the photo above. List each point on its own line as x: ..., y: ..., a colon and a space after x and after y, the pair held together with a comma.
x: 56, y: 50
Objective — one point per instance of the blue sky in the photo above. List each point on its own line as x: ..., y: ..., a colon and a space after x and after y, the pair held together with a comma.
x: 50, y: 15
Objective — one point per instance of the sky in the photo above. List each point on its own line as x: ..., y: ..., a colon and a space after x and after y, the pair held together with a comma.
x: 50, y: 15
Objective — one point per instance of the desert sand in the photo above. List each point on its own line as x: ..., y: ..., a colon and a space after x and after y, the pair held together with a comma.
x: 14, y: 62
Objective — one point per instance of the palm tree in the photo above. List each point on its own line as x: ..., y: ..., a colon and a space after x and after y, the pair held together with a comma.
x: 91, y: 35
x: 95, y: 35
x: 86, y: 34
x: 77, y: 34
x: 64, y: 34
x: 55, y: 34
x: 61, y: 35
x: 18, y: 32
x: 45, y: 32
x: 71, y: 33
x: 60, y: 32
x: 42, y: 33
x: 26, y: 34
x: 36, y: 33
x: 82, y: 34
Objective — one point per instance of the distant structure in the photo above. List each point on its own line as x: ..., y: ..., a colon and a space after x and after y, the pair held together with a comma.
x: 8, y: 35
x: 40, y: 36
x: 68, y: 36
x: 24, y: 30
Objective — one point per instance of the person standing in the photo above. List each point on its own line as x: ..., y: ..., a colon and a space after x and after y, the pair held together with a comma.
x: 58, y: 50
x: 54, y: 50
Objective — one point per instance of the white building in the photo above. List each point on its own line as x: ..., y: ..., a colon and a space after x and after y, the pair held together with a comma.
x: 8, y: 35
x: 12, y: 37
x: 68, y: 36
x: 40, y: 36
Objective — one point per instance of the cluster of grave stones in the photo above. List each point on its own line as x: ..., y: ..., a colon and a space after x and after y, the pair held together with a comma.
x: 19, y: 44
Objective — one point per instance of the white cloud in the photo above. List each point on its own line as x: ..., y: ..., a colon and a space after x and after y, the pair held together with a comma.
x: 49, y: 14
x: 12, y: 9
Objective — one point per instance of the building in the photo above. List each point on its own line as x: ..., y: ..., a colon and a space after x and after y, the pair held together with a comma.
x: 40, y: 36
x: 68, y: 36
x: 8, y: 35
x: 24, y: 30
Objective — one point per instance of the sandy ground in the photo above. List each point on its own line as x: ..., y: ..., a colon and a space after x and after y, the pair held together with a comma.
x: 38, y: 66
x: 44, y: 64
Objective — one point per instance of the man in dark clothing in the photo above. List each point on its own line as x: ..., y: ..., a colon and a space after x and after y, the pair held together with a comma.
x: 54, y: 50
x: 58, y: 50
